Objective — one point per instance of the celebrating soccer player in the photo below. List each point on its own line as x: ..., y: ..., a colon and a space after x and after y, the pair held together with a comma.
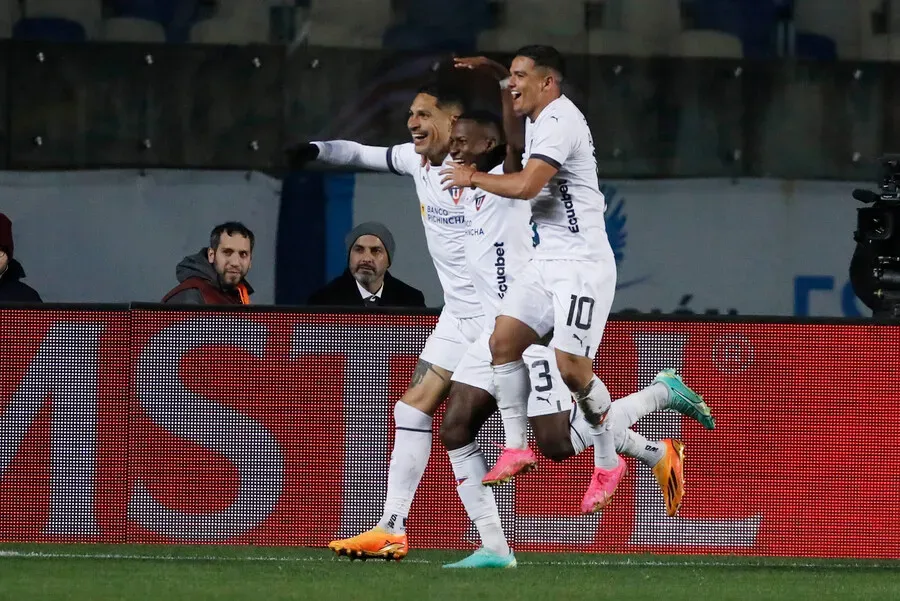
x: 568, y: 287
x: 499, y: 244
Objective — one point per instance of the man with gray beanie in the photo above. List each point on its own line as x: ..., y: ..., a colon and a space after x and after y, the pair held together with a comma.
x: 366, y: 281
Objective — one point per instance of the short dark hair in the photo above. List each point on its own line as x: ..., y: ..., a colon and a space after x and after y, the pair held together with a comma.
x: 483, y: 117
x: 489, y: 118
x: 486, y: 118
x: 544, y: 56
x: 231, y: 228
x: 446, y: 96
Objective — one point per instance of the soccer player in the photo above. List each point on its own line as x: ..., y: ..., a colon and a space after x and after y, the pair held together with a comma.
x: 499, y: 245
x: 431, y: 116
x: 568, y: 287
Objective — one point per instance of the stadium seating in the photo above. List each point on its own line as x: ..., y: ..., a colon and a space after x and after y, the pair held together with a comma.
x: 707, y: 44
x: 348, y: 23
x: 443, y: 27
x: 835, y: 20
x: 821, y: 29
x: 560, y: 23
x: 754, y: 22
x: 812, y: 46
x: 647, y: 28
x: 656, y: 28
x: 229, y: 31
x: 129, y: 29
x: 10, y: 12
x: 88, y: 14
x: 236, y: 22
x: 879, y: 28
x: 49, y: 29
x: 149, y: 10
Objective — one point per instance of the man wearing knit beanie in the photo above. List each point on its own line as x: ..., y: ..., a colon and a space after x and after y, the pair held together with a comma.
x: 366, y: 281
x: 12, y: 289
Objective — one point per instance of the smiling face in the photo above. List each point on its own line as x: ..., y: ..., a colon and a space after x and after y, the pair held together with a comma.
x: 470, y: 140
x: 532, y: 87
x: 429, y: 125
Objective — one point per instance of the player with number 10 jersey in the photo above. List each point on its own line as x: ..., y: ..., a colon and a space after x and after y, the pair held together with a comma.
x: 568, y: 287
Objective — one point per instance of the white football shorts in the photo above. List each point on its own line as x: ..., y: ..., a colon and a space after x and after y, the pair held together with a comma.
x: 451, y: 337
x: 548, y: 393
x: 571, y: 298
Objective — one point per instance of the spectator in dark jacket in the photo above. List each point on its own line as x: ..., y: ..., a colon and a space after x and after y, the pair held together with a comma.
x: 12, y: 289
x: 366, y: 281
x: 216, y: 275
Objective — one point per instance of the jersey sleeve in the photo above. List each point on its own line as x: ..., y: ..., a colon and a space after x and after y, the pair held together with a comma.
x: 402, y: 159
x: 353, y: 154
x: 552, y: 141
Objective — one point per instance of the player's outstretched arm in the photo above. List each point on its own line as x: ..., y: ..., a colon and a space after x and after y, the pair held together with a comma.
x: 342, y: 153
x: 524, y: 185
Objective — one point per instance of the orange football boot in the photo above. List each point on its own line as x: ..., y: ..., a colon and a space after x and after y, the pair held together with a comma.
x: 669, y: 473
x: 377, y: 543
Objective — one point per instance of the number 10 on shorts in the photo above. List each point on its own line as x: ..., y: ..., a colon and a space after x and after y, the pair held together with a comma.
x: 581, y: 312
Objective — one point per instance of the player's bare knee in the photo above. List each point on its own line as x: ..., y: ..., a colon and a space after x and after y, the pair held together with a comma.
x: 551, y: 433
x: 576, y: 372
x: 505, y: 348
x: 556, y: 449
x: 424, y: 400
x: 500, y: 349
x: 455, y: 432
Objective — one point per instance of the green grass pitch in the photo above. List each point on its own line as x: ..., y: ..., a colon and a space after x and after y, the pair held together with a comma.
x: 165, y: 573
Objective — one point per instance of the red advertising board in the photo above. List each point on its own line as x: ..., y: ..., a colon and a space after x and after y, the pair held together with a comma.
x: 275, y: 429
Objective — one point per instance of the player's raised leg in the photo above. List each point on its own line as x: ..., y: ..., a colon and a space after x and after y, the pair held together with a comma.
x: 665, y: 457
x: 509, y: 340
x: 561, y: 431
x: 412, y: 449
x: 562, y: 435
x: 468, y: 407
x: 582, y: 295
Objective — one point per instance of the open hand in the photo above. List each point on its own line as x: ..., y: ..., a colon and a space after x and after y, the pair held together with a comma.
x: 481, y: 62
x: 299, y: 155
x: 457, y: 175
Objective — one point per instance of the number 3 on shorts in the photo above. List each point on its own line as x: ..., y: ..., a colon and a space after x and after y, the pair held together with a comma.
x: 581, y: 312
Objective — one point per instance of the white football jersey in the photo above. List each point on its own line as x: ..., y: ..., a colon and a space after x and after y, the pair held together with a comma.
x: 569, y: 210
x: 499, y: 242
x: 445, y: 229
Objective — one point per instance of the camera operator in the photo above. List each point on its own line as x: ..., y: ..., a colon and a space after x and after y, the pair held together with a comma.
x: 875, y: 266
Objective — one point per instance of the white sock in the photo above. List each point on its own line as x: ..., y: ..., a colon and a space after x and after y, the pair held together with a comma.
x: 632, y: 444
x: 412, y: 447
x: 580, y: 430
x: 594, y: 402
x: 469, y: 467
x: 625, y: 412
x: 628, y: 442
x: 513, y: 386
x: 643, y: 402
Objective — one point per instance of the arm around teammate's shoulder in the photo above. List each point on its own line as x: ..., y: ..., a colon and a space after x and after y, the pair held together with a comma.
x: 524, y: 185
